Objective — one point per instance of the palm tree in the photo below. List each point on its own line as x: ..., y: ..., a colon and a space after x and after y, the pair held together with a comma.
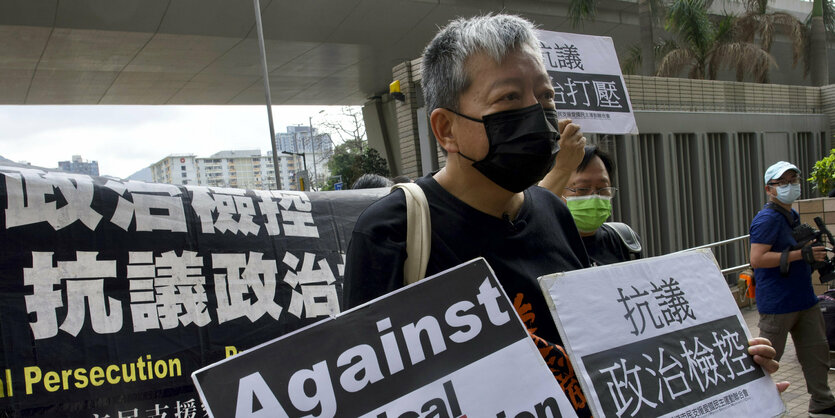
x: 645, y: 20
x: 579, y: 10
x: 821, y: 19
x: 635, y: 57
x: 759, y: 22
x: 705, y: 46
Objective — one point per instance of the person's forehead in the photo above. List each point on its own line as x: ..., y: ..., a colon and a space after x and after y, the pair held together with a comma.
x: 789, y: 174
x: 593, y: 173
x: 516, y: 65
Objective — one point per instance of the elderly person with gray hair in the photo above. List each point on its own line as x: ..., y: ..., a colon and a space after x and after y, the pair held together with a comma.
x: 492, y: 112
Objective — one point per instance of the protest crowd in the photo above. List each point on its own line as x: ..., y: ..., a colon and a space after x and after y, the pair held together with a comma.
x: 443, y: 277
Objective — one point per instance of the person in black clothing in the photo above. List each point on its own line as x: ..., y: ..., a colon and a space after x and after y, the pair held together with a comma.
x: 481, y: 203
x: 589, y: 195
x: 492, y: 111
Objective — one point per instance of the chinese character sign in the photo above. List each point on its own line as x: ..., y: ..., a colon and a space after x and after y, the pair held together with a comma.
x: 659, y: 337
x: 113, y: 291
x: 588, y: 84
x: 448, y: 346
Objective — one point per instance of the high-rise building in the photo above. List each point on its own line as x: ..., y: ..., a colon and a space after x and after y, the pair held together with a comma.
x: 79, y: 166
x: 245, y: 169
x: 318, y: 149
x: 175, y: 169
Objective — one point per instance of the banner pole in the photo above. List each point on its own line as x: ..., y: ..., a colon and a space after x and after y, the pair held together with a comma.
x: 265, y: 72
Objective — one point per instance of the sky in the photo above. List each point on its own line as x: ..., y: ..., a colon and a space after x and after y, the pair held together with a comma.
x: 126, y: 139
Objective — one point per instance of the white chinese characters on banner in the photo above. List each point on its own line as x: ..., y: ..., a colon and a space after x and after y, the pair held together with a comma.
x: 169, y: 290
x: 247, y: 288
x: 659, y: 337
x: 281, y: 210
x: 83, y: 281
x: 588, y: 84
x: 156, y: 207
x: 36, y: 202
x: 61, y: 199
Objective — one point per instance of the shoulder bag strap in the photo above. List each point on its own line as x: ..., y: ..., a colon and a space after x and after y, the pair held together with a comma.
x: 786, y: 214
x: 627, y: 235
x: 418, y: 232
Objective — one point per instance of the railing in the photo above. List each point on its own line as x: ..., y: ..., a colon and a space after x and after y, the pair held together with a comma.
x: 680, y: 94
x: 729, y: 270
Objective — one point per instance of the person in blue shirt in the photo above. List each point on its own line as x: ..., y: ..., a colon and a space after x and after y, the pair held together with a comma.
x: 785, y: 297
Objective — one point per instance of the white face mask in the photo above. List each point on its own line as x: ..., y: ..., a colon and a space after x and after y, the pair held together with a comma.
x: 788, y: 193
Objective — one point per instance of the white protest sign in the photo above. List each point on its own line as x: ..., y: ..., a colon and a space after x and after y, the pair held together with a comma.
x: 659, y: 337
x: 588, y: 83
x: 448, y: 346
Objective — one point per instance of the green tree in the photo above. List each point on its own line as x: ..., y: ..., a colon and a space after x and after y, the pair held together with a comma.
x: 648, y: 12
x: 705, y: 46
x: 823, y: 174
x: 634, y: 56
x: 352, y: 157
x: 758, y: 22
x: 349, y: 163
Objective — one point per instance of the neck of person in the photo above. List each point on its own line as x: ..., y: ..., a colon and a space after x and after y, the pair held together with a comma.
x: 775, y: 201
x: 471, y: 187
x: 586, y: 234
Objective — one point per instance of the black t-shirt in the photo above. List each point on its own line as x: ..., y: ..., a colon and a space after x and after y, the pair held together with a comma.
x: 606, y: 247
x: 541, y: 240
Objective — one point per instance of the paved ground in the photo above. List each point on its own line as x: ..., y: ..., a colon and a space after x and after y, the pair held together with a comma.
x: 795, y: 397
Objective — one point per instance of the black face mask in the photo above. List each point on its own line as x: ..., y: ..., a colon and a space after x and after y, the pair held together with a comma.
x: 523, y: 146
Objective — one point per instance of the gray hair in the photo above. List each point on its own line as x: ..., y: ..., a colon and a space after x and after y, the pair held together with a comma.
x: 444, y: 77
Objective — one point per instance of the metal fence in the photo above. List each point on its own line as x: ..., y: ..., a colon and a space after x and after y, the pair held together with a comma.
x: 684, y: 190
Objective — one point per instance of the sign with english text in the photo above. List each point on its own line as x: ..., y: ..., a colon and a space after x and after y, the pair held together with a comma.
x: 113, y: 292
x: 448, y: 346
x: 588, y: 83
x: 659, y: 337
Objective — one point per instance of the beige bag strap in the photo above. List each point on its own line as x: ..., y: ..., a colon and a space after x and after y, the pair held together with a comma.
x: 418, y: 232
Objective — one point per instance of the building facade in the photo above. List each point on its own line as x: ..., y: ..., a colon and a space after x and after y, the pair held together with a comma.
x: 245, y: 169
x: 175, y: 169
x: 79, y: 166
x: 317, y: 149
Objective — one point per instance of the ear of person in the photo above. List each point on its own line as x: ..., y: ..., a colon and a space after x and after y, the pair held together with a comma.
x: 441, y: 122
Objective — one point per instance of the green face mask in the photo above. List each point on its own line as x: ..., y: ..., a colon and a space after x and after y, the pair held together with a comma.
x: 589, y: 212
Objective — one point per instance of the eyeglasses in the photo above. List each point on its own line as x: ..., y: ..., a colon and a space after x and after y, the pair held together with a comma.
x: 784, y: 182
x: 588, y: 191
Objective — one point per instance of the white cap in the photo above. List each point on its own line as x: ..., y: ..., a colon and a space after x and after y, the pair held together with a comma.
x: 777, y: 170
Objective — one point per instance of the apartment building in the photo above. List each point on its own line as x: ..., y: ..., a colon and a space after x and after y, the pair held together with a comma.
x: 175, y: 169
x: 245, y: 169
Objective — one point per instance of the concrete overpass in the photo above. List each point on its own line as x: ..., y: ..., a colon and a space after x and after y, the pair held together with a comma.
x: 206, y: 52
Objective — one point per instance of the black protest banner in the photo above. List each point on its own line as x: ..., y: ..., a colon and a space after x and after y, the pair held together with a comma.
x: 450, y: 345
x: 113, y: 292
